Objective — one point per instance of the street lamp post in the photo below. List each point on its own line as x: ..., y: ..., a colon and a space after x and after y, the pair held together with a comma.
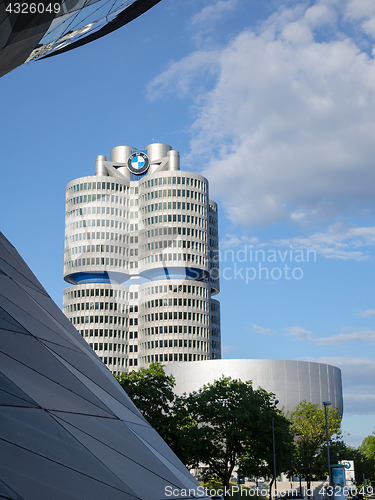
x: 327, y: 403
x: 273, y: 445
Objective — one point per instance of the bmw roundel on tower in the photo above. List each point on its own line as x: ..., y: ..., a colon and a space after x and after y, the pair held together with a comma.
x: 138, y: 162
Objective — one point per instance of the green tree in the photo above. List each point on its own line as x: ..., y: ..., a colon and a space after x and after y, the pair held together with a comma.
x: 308, y: 426
x: 368, y: 446
x: 222, y: 425
x: 367, y: 451
x: 259, y: 461
x: 151, y: 390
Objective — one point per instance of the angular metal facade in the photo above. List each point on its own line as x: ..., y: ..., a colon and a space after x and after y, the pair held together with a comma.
x: 67, y: 429
x: 31, y: 30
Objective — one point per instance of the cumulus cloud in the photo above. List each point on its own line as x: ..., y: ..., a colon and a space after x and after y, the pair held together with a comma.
x: 366, y: 314
x: 340, y: 241
x: 367, y: 336
x: 212, y: 13
x: 182, y: 75
x: 288, y: 127
x: 263, y: 331
x: 231, y: 240
x: 343, y: 241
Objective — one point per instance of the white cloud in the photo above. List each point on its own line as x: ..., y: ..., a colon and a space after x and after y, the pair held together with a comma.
x: 366, y: 314
x: 340, y: 241
x: 212, y: 13
x: 182, y: 75
x: 299, y: 333
x: 367, y: 336
x: 263, y: 331
x: 288, y: 129
x: 359, y: 9
x: 231, y: 240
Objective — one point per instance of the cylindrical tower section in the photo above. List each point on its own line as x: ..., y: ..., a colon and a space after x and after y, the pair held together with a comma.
x: 103, y: 316
x: 155, y: 152
x: 158, y: 232
x: 121, y: 154
x: 97, y: 216
x: 173, y: 208
x: 99, y: 165
x: 174, y: 321
x: 174, y: 160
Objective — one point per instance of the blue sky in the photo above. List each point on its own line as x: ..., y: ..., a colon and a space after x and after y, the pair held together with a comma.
x: 274, y: 102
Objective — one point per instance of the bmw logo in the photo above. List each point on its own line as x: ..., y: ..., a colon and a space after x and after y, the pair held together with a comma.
x: 138, y: 162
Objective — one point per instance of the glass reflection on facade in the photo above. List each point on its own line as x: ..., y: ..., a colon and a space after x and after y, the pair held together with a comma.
x: 31, y: 30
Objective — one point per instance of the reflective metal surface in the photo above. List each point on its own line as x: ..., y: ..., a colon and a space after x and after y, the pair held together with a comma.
x: 42, y: 29
x: 290, y: 381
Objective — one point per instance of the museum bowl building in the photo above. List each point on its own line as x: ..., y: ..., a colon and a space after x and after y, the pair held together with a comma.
x: 290, y: 381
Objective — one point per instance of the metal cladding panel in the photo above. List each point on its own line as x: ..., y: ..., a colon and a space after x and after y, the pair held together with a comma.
x: 338, y: 396
x: 32, y: 354
x: 84, y: 369
x: 331, y: 382
x: 325, y: 376
x: 151, y: 438
x: 8, y: 323
x: 10, y: 271
x: 315, y: 387
x: 42, y: 479
x: 44, y: 436
x: 31, y: 308
x: 292, y: 375
x: 8, y: 387
x: 112, y: 434
x: 6, y: 492
x: 279, y: 376
x: 142, y: 478
x: 51, y: 381
x: 28, y: 322
x: 123, y: 408
x: 290, y: 381
x: 46, y: 393
x: 304, y: 377
x: 11, y: 264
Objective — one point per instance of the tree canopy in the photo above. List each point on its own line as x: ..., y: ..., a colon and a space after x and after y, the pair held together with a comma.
x: 223, y: 425
x: 368, y: 447
x: 308, y: 426
x: 151, y: 390
x: 228, y: 424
